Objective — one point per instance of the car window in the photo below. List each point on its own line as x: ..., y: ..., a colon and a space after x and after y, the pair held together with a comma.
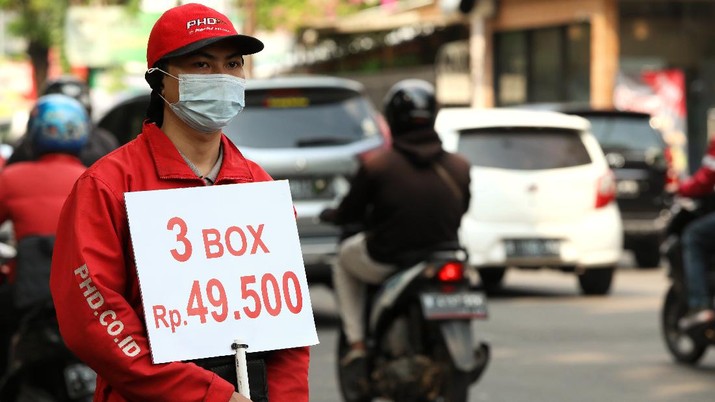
x: 631, y: 133
x: 125, y: 120
x: 523, y: 148
x: 291, y: 118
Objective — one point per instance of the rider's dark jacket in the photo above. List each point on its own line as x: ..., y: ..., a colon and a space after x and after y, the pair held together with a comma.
x: 404, y: 203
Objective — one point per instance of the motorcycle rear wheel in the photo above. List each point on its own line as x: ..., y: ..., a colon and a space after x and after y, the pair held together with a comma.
x: 683, y: 347
x: 455, y: 385
x: 343, y: 380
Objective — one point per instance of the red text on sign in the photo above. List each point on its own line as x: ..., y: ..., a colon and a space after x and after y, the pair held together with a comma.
x: 160, y: 316
x: 181, y: 238
x: 234, y: 241
x: 263, y: 294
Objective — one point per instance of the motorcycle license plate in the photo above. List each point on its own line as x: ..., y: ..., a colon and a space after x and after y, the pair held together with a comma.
x: 442, y: 306
x: 311, y: 188
x: 80, y: 381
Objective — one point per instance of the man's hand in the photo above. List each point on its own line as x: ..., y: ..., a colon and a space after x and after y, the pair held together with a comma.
x: 236, y: 397
x: 328, y: 215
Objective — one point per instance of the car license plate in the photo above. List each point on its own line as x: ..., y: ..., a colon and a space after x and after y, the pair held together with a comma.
x: 521, y: 248
x: 311, y: 188
x: 627, y: 188
x: 441, y: 306
x: 80, y: 381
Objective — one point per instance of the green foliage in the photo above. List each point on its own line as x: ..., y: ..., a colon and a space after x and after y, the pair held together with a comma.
x: 38, y: 21
x: 290, y: 14
x: 41, y: 21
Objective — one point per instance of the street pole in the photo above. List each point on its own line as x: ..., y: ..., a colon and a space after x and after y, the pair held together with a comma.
x: 248, y: 8
x: 482, y: 95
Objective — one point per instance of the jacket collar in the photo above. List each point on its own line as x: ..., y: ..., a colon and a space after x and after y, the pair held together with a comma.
x: 171, y: 165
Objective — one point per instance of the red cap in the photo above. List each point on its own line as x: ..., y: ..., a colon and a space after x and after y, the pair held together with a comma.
x: 184, y: 29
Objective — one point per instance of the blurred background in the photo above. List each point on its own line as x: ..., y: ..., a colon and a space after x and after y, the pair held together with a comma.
x: 645, y: 55
x: 654, y: 58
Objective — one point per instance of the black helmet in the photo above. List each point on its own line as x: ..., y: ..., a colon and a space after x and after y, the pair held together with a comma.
x: 410, y: 105
x: 72, y: 87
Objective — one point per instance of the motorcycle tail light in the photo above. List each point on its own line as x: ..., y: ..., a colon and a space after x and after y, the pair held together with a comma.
x: 451, y: 272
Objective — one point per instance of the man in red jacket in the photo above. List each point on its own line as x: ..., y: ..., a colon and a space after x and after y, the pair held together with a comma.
x: 195, y: 61
x: 32, y: 193
x: 698, y: 245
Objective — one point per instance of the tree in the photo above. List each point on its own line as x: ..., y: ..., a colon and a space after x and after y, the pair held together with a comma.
x: 289, y: 14
x: 41, y: 22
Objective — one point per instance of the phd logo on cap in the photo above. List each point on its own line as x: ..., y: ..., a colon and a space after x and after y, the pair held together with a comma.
x: 206, y: 21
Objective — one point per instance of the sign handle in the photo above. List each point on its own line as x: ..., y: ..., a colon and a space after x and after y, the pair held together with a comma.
x: 241, y: 368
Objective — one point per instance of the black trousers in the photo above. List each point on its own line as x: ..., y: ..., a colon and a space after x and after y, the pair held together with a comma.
x: 8, y: 325
x: 225, y: 367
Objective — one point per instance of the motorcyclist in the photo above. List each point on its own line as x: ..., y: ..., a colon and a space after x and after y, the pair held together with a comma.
x: 698, y: 243
x: 409, y: 199
x: 32, y: 193
x: 100, y: 141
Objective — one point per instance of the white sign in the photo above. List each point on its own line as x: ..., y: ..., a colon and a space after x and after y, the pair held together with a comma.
x: 220, y: 263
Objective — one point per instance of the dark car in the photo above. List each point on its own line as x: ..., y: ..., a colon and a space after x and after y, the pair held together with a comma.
x: 642, y: 163
x: 311, y: 130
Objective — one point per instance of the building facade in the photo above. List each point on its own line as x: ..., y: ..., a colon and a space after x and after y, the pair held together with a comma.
x: 650, y: 55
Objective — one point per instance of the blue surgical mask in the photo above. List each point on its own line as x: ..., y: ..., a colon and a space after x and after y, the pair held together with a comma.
x: 208, y: 102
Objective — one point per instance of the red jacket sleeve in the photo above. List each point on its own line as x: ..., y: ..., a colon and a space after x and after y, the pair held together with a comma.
x: 96, y: 295
x: 288, y: 375
x: 4, y: 210
x: 702, y: 182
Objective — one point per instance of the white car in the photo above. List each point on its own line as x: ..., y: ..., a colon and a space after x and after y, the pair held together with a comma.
x: 543, y: 194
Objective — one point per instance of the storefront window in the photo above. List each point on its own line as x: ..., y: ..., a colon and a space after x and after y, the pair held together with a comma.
x: 511, y: 74
x: 578, y: 60
x: 543, y: 65
x: 547, y: 67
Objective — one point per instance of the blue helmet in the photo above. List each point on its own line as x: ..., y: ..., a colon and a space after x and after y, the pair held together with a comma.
x: 58, y: 123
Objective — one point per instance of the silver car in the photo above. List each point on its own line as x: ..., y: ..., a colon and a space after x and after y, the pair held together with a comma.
x: 311, y: 130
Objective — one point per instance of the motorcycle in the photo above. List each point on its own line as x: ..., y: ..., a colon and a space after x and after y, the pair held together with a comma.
x: 686, y: 346
x: 40, y: 367
x: 418, y: 332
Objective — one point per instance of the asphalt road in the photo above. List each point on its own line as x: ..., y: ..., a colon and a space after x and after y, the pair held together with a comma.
x: 551, y: 344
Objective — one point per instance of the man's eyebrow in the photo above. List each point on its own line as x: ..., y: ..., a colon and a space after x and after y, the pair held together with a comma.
x: 207, y: 55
